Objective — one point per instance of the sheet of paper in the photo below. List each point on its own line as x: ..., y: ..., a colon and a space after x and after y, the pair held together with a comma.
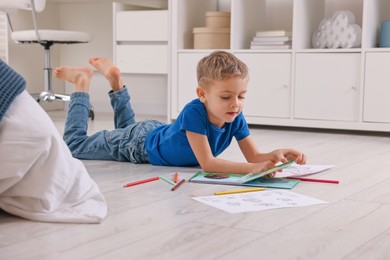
x: 258, y: 201
x: 302, y: 170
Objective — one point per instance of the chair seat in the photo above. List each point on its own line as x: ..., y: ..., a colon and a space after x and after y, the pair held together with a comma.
x: 55, y: 36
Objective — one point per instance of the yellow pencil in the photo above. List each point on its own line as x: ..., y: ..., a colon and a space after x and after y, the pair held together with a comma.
x: 237, y: 191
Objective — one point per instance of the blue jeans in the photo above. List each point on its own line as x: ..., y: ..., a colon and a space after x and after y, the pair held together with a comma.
x: 125, y: 143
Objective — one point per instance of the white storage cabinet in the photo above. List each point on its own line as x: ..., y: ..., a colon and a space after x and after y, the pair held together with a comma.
x: 301, y: 86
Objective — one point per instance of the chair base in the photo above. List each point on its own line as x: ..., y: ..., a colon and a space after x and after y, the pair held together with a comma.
x: 50, y: 97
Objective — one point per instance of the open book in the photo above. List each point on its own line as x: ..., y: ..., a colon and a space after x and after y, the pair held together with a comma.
x: 296, y: 170
x: 250, y: 179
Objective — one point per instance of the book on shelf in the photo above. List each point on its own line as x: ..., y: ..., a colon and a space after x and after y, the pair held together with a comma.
x: 250, y: 179
x: 254, y: 47
x: 274, y: 33
x: 271, y: 43
x: 272, y: 39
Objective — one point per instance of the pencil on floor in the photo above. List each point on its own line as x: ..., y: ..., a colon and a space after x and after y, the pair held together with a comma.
x: 167, y: 180
x: 237, y: 191
x: 178, y: 185
x: 314, y: 180
x: 140, y: 182
x: 176, y: 177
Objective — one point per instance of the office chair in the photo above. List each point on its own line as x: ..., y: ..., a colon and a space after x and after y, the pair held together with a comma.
x: 46, y: 38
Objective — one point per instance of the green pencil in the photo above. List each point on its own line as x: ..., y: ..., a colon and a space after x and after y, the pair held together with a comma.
x: 167, y: 180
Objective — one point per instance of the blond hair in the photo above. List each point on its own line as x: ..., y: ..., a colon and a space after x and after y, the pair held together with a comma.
x: 220, y: 65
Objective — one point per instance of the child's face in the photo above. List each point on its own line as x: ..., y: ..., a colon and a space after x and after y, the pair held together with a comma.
x: 223, y: 100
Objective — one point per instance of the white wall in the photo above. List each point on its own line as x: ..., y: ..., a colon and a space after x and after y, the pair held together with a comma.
x: 96, y: 19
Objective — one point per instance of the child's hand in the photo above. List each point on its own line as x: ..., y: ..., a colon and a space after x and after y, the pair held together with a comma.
x: 285, y: 155
x: 258, y: 167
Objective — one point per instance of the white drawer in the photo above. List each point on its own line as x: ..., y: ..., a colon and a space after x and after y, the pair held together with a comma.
x: 142, y: 25
x: 151, y: 59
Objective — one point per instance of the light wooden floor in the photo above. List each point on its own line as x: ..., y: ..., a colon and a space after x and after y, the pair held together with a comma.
x: 150, y: 221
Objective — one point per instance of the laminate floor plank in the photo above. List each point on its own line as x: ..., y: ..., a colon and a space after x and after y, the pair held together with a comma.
x: 332, y: 233
x: 377, y: 248
x: 190, y: 241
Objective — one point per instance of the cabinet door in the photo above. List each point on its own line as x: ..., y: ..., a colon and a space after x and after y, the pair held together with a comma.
x: 269, y: 89
x: 142, y: 25
x: 186, y: 77
x: 327, y: 86
x: 148, y: 59
x: 377, y: 88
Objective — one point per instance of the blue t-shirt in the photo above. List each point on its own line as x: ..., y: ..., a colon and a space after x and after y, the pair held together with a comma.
x: 168, y: 144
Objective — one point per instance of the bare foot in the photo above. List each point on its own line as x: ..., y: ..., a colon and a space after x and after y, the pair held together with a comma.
x: 80, y: 77
x: 112, y: 73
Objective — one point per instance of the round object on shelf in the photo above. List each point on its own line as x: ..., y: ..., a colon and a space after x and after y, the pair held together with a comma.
x: 218, y: 19
x: 211, y: 38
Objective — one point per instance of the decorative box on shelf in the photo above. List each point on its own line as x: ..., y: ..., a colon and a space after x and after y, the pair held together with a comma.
x: 216, y: 34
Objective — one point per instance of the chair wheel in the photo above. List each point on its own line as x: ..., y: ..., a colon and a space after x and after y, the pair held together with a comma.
x: 91, y: 113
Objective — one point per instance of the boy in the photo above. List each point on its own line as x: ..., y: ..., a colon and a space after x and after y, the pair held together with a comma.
x: 202, y: 131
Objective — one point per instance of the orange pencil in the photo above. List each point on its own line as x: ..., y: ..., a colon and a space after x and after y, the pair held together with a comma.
x: 178, y: 185
x: 175, y: 177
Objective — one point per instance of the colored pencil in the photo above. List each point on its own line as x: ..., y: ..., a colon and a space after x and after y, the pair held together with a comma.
x: 314, y: 180
x: 176, y: 177
x: 178, y: 185
x: 167, y: 180
x: 237, y: 191
x: 140, y: 182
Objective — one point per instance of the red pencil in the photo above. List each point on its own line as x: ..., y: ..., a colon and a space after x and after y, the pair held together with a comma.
x: 140, y: 182
x: 178, y: 185
x: 314, y: 180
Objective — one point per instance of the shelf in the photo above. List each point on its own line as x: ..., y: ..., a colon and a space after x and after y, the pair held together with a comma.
x: 376, y: 11
x: 377, y: 50
x: 352, y: 50
x: 262, y: 51
x: 309, y: 14
x: 191, y: 14
x: 318, y: 87
x: 254, y: 15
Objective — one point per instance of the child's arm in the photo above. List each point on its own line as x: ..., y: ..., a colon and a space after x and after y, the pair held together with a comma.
x: 252, y: 154
x: 201, y: 148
